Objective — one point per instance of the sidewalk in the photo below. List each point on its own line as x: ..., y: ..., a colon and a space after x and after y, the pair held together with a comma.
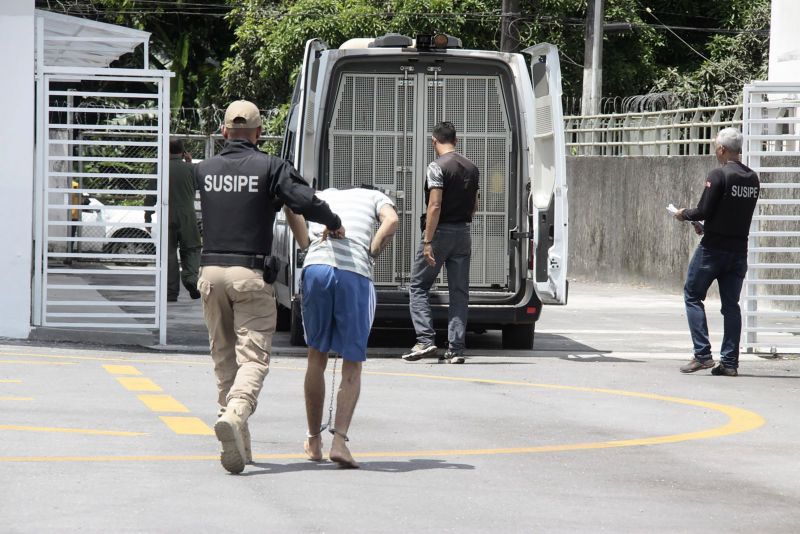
x: 600, y: 319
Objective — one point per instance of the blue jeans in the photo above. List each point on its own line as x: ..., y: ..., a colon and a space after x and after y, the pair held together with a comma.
x: 728, y: 269
x: 452, y: 247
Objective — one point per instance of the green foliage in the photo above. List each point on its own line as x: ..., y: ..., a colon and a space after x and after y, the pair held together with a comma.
x: 189, y: 41
x: 269, y: 43
x: 270, y: 39
x: 255, y: 50
x: 733, y: 59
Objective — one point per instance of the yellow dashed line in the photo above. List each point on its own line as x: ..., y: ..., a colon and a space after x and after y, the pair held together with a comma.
x: 139, y: 384
x: 163, y: 403
x: 187, y: 425
x: 122, y: 370
x: 10, y: 381
x: 16, y: 398
x: 90, y: 432
x: 159, y: 403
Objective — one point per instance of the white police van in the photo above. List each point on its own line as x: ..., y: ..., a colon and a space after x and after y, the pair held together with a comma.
x: 363, y: 114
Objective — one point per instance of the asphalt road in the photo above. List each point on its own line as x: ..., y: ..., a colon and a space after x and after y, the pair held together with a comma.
x: 594, y: 430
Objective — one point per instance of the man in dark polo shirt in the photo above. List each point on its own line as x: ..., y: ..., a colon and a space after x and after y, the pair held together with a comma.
x: 451, y: 193
x: 726, y: 205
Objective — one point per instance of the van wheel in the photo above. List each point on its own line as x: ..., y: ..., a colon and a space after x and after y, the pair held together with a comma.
x: 296, y: 333
x: 284, y: 320
x: 518, y: 336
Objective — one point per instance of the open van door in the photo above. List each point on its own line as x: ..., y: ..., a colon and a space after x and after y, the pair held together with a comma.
x: 547, y: 171
x: 299, y: 125
x: 301, y: 112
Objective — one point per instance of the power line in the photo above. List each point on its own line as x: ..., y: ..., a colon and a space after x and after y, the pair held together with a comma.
x: 217, y: 10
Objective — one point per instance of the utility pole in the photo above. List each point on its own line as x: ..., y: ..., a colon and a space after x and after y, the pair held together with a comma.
x: 593, y: 58
x: 509, y: 28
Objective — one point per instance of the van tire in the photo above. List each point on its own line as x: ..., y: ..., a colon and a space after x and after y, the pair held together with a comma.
x: 296, y: 332
x: 283, y: 323
x: 518, y: 336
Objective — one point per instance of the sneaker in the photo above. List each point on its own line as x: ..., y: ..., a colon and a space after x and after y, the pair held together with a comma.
x: 419, y: 351
x: 721, y: 370
x: 453, y: 357
x: 170, y: 298
x: 696, y: 365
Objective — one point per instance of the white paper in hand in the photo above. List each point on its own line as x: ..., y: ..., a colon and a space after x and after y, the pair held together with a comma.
x: 672, y: 209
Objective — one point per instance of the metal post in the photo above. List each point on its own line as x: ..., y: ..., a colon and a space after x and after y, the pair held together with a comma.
x: 162, y: 203
x: 39, y: 197
x: 509, y: 30
x: 593, y: 59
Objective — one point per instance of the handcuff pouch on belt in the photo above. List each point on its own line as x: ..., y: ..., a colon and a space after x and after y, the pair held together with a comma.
x: 272, y: 266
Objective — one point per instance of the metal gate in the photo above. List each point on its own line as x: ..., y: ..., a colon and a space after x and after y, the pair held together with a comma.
x: 771, y: 302
x: 380, y: 135
x: 101, y: 150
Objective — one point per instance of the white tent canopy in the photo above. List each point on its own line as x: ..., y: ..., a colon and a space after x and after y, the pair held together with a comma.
x: 66, y: 41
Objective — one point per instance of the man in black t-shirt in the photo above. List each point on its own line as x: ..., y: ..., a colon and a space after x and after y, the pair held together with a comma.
x: 726, y: 205
x: 451, y: 196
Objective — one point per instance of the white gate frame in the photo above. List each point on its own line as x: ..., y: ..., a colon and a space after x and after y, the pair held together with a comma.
x: 41, y: 194
x: 761, y: 140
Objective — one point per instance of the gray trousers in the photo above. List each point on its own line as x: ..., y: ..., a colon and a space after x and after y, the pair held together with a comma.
x: 452, y: 248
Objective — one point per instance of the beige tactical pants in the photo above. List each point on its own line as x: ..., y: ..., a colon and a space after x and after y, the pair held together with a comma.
x: 239, y: 310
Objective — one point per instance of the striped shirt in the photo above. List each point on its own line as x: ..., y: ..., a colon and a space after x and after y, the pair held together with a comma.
x: 359, y: 210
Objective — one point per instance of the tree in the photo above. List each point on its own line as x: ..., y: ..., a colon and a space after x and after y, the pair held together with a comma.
x: 732, y: 59
x: 270, y: 42
x: 188, y: 38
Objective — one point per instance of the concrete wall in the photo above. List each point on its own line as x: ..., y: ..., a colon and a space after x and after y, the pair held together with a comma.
x: 17, y: 165
x: 620, y: 230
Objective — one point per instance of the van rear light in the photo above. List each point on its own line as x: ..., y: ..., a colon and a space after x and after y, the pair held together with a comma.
x: 531, y: 310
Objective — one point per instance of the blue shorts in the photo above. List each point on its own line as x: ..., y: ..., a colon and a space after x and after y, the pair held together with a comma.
x: 338, y: 309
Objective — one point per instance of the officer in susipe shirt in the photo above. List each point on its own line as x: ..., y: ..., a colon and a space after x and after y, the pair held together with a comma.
x: 241, y: 189
x: 726, y: 205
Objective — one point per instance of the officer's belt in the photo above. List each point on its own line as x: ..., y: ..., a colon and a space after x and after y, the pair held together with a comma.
x: 253, y: 261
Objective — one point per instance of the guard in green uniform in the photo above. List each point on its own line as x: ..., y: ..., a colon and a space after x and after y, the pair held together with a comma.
x: 183, y: 231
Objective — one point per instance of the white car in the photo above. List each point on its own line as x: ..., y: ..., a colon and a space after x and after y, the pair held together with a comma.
x: 119, y: 222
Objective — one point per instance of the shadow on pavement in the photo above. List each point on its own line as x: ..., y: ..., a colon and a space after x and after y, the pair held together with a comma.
x: 383, y: 467
x: 597, y: 359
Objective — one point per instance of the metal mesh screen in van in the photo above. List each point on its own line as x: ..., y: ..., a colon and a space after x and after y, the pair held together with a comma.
x: 374, y: 113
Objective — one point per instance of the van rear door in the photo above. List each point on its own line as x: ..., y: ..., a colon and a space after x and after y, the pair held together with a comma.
x: 299, y: 125
x: 301, y: 113
x: 547, y: 171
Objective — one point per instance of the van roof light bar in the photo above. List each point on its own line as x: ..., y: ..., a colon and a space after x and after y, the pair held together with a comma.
x: 391, y: 40
x: 439, y: 41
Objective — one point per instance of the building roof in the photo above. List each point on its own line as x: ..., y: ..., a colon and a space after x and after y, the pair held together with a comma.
x: 76, y: 42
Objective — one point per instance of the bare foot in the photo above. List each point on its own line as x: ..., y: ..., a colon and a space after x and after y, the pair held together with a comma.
x: 341, y: 454
x: 313, y: 448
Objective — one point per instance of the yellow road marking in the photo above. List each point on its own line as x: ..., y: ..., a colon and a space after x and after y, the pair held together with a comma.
x: 739, y: 420
x: 138, y: 384
x: 16, y: 398
x: 187, y: 425
x: 3, y: 381
x: 28, y: 362
x: 90, y: 432
x: 122, y: 370
x: 163, y: 403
